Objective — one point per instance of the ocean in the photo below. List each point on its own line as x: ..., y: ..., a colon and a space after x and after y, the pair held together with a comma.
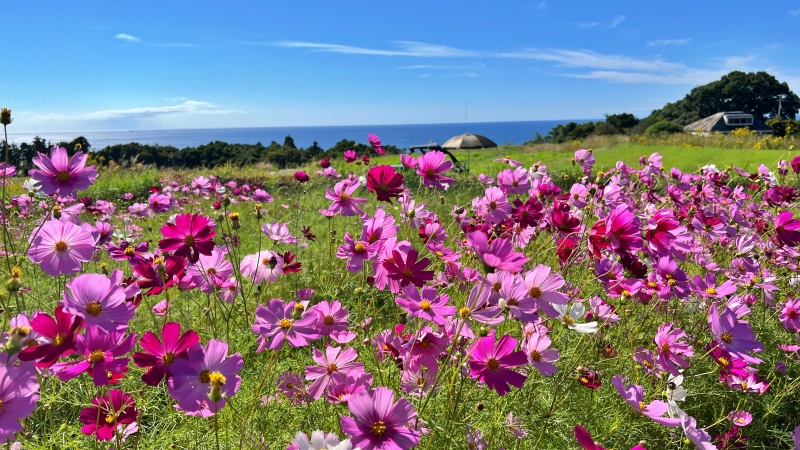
x: 401, y: 136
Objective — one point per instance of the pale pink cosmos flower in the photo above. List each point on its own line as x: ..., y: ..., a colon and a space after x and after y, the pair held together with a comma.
x: 60, y: 247
x: 343, y: 200
x: 265, y: 265
x: 59, y: 174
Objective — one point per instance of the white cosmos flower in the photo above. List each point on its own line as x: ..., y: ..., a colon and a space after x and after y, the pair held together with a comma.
x: 571, y: 319
x: 321, y: 441
x: 675, y: 393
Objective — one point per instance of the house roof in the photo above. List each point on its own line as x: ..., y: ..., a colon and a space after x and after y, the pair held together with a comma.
x: 716, y: 123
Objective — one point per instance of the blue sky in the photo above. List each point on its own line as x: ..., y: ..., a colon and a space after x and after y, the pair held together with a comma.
x: 92, y: 65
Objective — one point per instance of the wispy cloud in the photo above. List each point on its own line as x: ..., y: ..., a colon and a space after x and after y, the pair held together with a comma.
x: 126, y: 37
x: 406, y: 48
x: 540, y: 5
x: 579, y: 63
x: 617, y: 20
x: 443, y: 67
x: 662, y: 42
x: 586, y: 25
x: 794, y: 12
x: 176, y: 45
x: 187, y: 107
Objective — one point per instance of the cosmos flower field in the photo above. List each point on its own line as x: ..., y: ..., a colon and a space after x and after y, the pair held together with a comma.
x: 376, y: 306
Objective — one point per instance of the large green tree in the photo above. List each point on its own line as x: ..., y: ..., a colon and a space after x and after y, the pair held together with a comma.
x: 756, y: 93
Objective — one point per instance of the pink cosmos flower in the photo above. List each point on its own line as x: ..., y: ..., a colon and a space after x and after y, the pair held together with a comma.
x: 107, y: 413
x: 159, y: 203
x: 100, y: 300
x: 634, y: 395
x: 543, y: 287
x: 344, y: 386
x: 350, y: 156
x: 263, y: 266
x: 492, y: 364
x: 19, y: 393
x: 378, y: 423
x: 343, y: 201
x: 279, y: 232
x: 334, y: 360
x: 431, y: 166
x: 698, y: 436
x: 262, y: 196
x: 790, y: 315
x: 408, y: 161
x: 101, y: 352
x: 60, y: 247
x: 190, y: 236
x: 734, y: 335
x: 495, y: 206
x: 357, y: 252
x: 671, y: 350
x: 585, y: 159
x: 740, y: 418
x: 127, y: 251
x: 301, y: 176
x: 275, y: 323
x: 211, y: 271
x: 787, y: 229
x: 158, y: 357
x: 206, y: 376
x: 707, y: 287
x: 57, y: 337
x: 62, y: 176
x: 748, y: 383
x: 428, y: 305
x: 500, y: 255
x: 407, y: 270
x: 540, y: 355
x: 514, y: 181
x: 332, y: 317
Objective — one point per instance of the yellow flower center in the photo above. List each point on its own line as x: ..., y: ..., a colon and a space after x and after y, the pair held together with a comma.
x: 408, y: 273
x: 535, y: 355
x: 652, y: 284
x: 59, y: 339
x: 569, y: 320
x: 189, y: 240
x: 130, y: 251
x: 464, y: 312
x: 626, y: 293
x: 61, y: 246
x: 168, y: 358
x: 299, y: 307
x: 332, y: 368
x: 492, y: 364
x: 285, y: 324
x: 94, y: 309
x: 97, y: 356
x: 110, y: 418
x: 711, y: 291
x: 360, y: 247
x: 384, y: 187
x: 425, y: 305
x: 217, y: 379
x: 378, y: 428
x: 727, y: 338
x: 344, y: 196
x: 535, y: 292
x: 62, y: 176
x: 641, y: 406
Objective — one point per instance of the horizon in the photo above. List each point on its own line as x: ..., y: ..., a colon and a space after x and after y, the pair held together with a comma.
x: 101, y: 67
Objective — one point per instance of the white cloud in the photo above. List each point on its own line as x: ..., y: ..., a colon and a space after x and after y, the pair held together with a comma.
x: 126, y: 37
x: 187, y: 107
x: 794, y: 12
x: 617, y: 20
x: 586, y: 25
x: 662, y: 42
x: 407, y: 48
x: 540, y: 5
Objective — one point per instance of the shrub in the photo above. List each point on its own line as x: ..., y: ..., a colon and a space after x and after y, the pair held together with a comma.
x: 664, y: 126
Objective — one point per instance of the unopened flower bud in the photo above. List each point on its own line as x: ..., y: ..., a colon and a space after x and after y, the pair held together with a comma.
x: 14, y: 282
x: 298, y: 310
x: 5, y: 116
x: 483, y: 332
x: 216, y: 393
x: 358, y: 290
x: 57, y: 212
x: 104, y: 268
x: 234, y: 216
x: 480, y: 406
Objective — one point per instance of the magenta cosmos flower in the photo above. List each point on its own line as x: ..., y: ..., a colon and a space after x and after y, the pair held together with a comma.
x: 158, y: 357
x: 101, y: 353
x: 61, y: 247
x: 59, y: 174
x: 431, y: 166
x: 408, y: 270
x: 671, y: 349
x: 19, y: 392
x: 734, y: 335
x: 787, y: 229
x: 385, y: 182
x: 634, y: 395
x: 499, y: 255
x: 378, y: 423
x: 189, y: 237
x: 57, y: 336
x: 334, y: 360
x: 357, y: 252
x: 275, y: 323
x: 100, y: 300
x: 426, y: 305
x: 108, y: 411
x: 350, y: 156
x: 301, y: 176
x: 343, y: 200
x: 492, y: 364
x: 207, y: 375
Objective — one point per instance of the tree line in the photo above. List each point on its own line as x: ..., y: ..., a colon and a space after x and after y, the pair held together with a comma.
x: 208, y: 155
x: 756, y: 93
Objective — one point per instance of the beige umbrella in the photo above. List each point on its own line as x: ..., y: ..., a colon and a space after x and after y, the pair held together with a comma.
x: 468, y: 141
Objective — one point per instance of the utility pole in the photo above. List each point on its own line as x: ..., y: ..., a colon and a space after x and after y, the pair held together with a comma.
x: 780, y: 100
